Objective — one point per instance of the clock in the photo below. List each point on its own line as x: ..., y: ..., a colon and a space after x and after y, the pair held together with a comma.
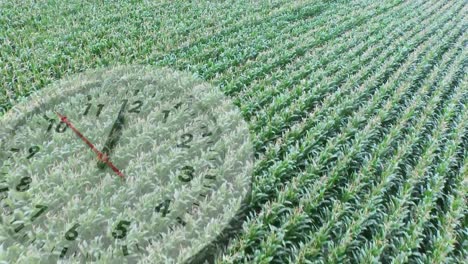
x: 131, y: 164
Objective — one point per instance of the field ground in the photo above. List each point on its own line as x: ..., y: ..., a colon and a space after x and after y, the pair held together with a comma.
x: 358, y: 109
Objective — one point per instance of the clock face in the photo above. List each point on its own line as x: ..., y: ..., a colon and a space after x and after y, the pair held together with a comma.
x: 123, y: 165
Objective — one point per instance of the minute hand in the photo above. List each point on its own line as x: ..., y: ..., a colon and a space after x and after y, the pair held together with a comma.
x: 114, y: 134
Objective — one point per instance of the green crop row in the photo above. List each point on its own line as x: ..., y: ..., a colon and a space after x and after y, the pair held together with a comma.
x: 355, y: 182
x: 357, y: 109
x: 435, y: 182
x: 443, y: 240
x: 371, y: 172
x: 289, y: 42
x: 278, y: 95
x: 311, y: 22
x: 307, y: 98
x: 266, y: 225
x: 315, y: 194
x: 295, y: 135
x: 446, y: 229
x: 42, y: 44
x: 288, y: 56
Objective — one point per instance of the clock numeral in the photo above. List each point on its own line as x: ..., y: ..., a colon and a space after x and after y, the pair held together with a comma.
x: 166, y: 115
x: 63, y: 252
x: 24, y: 185
x: 61, y: 127
x: 88, y: 106
x: 178, y: 105
x: 137, y: 107
x: 163, y: 208
x: 180, y: 221
x: 72, y: 234
x: 167, y: 112
x: 51, y: 122
x: 125, y: 250
x: 42, y: 209
x: 19, y: 227
x: 187, y: 174
x: 33, y: 151
x: 121, y: 229
x: 100, y: 107
x: 206, y: 132
x: 186, y: 139
x: 210, y: 177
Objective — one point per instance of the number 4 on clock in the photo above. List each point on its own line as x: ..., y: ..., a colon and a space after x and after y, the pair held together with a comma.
x: 163, y: 207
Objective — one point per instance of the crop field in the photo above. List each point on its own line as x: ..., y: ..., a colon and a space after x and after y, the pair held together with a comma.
x: 358, y: 110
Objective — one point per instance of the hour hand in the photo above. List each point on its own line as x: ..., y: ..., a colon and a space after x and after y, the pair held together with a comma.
x: 114, y: 136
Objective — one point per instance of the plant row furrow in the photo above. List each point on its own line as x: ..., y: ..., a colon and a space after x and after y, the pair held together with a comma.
x: 49, y: 49
x: 244, y: 14
x: 268, y: 55
x: 301, y: 150
x: 313, y: 98
x: 279, y: 35
x: 441, y: 236
x: 290, y: 108
x: 260, y: 72
x: 444, y: 240
x: 310, y: 70
x: 392, y: 214
x: 251, y: 43
x: 378, y: 166
x: 348, y: 196
x: 289, y: 14
x: 241, y: 56
x: 281, y: 13
x: 313, y: 197
x: 315, y: 128
x: 419, y: 216
x: 111, y: 45
x: 382, y: 173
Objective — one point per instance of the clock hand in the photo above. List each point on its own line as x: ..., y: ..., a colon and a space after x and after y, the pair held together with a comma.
x: 101, y: 156
x: 114, y: 134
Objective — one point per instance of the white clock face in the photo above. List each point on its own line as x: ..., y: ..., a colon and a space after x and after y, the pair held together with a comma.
x: 122, y: 165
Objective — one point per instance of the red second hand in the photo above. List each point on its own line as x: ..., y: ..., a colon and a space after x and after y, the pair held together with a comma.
x: 101, y: 156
